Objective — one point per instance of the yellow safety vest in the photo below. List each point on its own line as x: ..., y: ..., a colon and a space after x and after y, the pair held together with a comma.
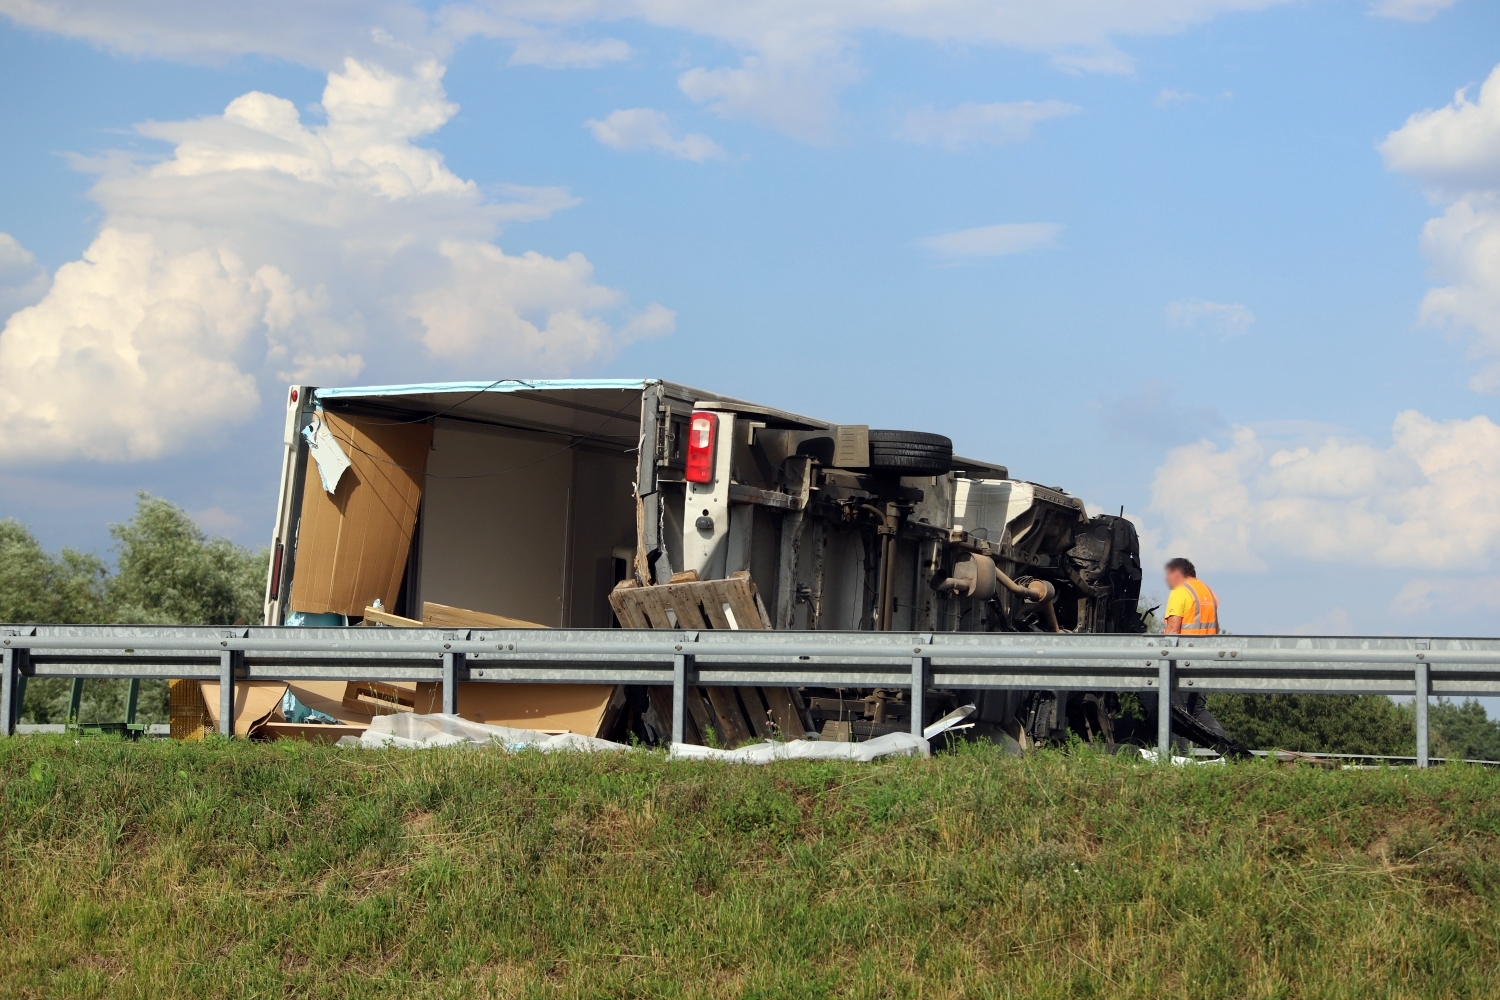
x: 1204, y: 619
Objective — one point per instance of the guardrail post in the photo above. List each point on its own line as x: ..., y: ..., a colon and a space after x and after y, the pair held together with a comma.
x: 1423, y: 690
x: 10, y: 681
x: 75, y: 701
x: 226, y: 692
x: 921, y: 675
x: 453, y: 672
x: 1166, y: 687
x: 132, y: 699
x: 683, y: 668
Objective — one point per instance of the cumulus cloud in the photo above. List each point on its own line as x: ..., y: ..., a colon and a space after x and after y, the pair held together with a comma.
x: 23, y: 281
x: 1455, y: 152
x: 644, y: 128
x: 793, y: 60
x: 972, y: 124
x: 265, y: 249
x: 1410, y: 10
x: 1425, y: 501
x: 1217, y: 319
x: 993, y: 241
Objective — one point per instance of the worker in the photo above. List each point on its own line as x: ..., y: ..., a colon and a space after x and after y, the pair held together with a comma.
x: 1192, y: 609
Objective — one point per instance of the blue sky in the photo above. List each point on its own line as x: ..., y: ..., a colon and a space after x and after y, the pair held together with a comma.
x: 1191, y: 276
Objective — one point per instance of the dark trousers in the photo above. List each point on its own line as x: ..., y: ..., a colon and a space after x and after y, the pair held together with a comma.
x: 1194, y: 703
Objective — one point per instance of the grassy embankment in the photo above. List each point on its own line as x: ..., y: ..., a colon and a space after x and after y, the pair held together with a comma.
x: 225, y: 869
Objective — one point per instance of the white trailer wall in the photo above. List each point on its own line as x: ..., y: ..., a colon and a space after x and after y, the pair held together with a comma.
x: 517, y: 523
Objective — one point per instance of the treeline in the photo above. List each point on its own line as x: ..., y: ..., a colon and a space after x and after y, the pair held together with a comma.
x: 1345, y: 723
x: 166, y: 571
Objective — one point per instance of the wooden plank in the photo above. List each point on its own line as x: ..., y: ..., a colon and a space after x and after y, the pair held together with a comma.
x: 755, y: 711
x: 683, y: 599
x: 386, y: 618
x: 731, y: 718
x: 698, y: 712
x: 741, y: 599
x: 713, y: 597
x: 443, y: 616
x: 765, y: 619
x: 654, y: 604
x: 784, y: 711
x: 626, y: 602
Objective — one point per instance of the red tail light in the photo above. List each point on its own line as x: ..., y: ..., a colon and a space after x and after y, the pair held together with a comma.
x: 702, y: 429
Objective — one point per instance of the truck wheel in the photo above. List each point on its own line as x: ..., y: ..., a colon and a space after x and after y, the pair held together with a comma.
x: 910, y: 453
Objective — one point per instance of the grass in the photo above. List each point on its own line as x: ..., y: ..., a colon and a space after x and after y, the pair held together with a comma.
x: 226, y: 869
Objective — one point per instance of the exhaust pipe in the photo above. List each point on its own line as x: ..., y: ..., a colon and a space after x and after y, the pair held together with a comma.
x: 977, y: 577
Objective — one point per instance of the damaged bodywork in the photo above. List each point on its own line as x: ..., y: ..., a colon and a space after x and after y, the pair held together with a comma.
x: 647, y: 504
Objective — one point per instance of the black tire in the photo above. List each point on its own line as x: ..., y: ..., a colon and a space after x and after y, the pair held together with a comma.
x: 910, y: 453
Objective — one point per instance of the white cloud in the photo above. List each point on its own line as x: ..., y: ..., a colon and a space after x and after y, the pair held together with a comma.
x: 315, y: 32
x: 1335, y: 621
x: 1427, y: 501
x: 971, y: 124
x: 1455, y: 151
x: 1452, y: 595
x: 568, y: 53
x: 1410, y: 10
x: 795, y: 96
x: 645, y: 128
x: 993, y: 241
x: 1215, y: 318
x: 264, y: 249
x: 1169, y: 97
x: 793, y: 58
x: 1455, y: 148
x: 23, y: 281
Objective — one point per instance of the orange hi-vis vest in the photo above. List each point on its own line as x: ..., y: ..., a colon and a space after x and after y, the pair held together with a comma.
x: 1204, y: 619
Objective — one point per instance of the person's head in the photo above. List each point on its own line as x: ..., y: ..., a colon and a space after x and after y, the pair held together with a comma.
x: 1179, y: 570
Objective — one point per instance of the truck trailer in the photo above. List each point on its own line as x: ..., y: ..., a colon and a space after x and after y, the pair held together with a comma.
x: 611, y: 503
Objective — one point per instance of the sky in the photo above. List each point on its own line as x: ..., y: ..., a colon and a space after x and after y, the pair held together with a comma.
x: 1230, y: 265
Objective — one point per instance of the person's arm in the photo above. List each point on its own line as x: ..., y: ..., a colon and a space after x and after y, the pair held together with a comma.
x: 1172, y: 626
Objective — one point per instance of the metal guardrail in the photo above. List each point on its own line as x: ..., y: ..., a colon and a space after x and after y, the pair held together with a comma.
x: 917, y: 661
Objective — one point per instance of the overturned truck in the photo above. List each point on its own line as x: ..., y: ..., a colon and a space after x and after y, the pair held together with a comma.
x: 646, y: 504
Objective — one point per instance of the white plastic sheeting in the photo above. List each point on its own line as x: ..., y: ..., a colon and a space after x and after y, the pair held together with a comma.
x: 891, y: 744
x: 904, y: 744
x: 417, y: 731
x: 325, y: 450
x: 407, y: 729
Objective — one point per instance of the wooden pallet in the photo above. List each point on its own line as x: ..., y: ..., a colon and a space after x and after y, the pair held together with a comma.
x: 733, y: 714
x: 701, y: 604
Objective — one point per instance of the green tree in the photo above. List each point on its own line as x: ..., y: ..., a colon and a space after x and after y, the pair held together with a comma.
x: 1316, y: 723
x: 168, y: 572
x: 37, y: 587
x: 1462, y: 731
x: 171, y: 573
